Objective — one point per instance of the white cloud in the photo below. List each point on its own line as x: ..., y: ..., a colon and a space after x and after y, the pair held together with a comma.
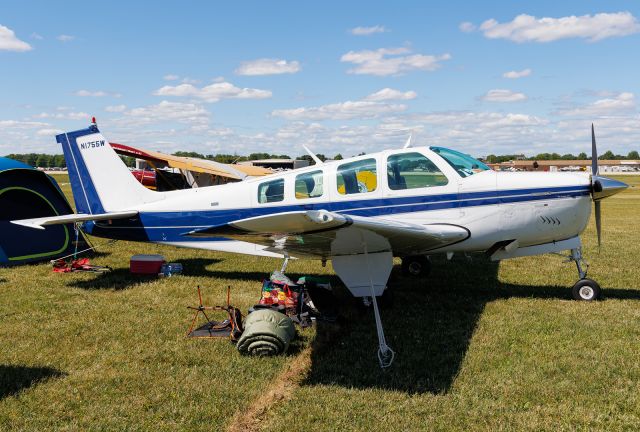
x: 18, y: 124
x: 268, y: 66
x: 517, y: 74
x: 170, y: 77
x: 18, y: 136
x: 527, y: 28
x: 115, y: 108
x: 65, y: 38
x: 467, y: 27
x: 213, y: 92
x: 87, y: 93
x: 391, y: 94
x: 502, y: 95
x: 49, y: 132
x: 623, y: 102
x: 96, y: 93
x: 169, y: 111
x: 64, y: 114
x: 391, y: 61
x: 340, y: 111
x: 9, y: 41
x: 368, y: 31
x: 36, y: 36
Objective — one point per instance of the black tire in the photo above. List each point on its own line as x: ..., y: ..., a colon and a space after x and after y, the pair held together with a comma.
x: 586, y: 290
x: 416, y: 266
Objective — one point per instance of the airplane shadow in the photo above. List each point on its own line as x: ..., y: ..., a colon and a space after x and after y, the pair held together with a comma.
x: 121, y: 278
x: 198, y: 267
x: 429, y: 327
x: 117, y: 279
x: 14, y: 379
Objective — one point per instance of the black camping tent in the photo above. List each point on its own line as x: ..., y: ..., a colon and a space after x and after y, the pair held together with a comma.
x: 28, y: 193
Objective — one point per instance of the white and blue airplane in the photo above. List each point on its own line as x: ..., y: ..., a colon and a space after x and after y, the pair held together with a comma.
x: 359, y: 213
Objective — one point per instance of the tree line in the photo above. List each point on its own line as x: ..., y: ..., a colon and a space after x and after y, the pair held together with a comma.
x: 42, y: 160
x: 608, y: 155
x: 228, y: 158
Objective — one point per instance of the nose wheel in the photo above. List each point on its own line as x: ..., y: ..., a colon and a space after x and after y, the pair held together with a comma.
x: 585, y: 289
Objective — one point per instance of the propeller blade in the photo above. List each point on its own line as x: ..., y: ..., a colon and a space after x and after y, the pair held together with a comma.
x: 598, y: 213
x: 594, y: 153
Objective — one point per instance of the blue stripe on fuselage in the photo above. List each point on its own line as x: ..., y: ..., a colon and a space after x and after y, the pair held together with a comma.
x: 171, y: 226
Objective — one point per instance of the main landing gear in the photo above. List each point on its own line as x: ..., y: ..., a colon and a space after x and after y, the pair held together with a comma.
x: 585, y: 289
x: 416, y: 266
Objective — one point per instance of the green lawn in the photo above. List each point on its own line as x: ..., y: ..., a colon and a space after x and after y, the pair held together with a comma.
x: 480, y: 346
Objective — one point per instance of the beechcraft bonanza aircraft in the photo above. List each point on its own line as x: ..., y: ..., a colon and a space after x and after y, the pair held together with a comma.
x: 358, y: 212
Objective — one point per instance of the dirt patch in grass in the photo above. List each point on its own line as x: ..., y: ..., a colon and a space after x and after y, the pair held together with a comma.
x: 281, y: 389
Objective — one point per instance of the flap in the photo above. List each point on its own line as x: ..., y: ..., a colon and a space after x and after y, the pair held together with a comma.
x: 321, y: 233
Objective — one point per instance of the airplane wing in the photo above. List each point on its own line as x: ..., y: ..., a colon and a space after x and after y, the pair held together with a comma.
x: 40, y: 223
x: 321, y: 233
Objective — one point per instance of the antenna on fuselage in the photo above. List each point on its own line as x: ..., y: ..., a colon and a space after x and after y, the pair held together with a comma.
x: 315, y: 158
x: 408, y: 143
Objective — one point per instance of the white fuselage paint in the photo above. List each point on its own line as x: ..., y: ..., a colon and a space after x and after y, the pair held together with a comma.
x: 531, y: 222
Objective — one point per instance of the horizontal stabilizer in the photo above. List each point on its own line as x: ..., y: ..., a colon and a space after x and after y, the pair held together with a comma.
x: 40, y: 223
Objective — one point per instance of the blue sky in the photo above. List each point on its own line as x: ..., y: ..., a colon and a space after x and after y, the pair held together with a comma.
x: 340, y: 77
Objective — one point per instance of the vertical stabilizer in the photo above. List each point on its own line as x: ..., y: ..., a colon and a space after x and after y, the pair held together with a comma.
x: 100, y: 180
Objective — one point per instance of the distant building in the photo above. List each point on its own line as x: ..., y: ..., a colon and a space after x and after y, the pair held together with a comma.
x: 567, y: 165
x: 278, y: 164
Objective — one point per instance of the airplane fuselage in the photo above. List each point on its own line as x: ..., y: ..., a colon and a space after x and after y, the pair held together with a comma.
x: 530, y: 207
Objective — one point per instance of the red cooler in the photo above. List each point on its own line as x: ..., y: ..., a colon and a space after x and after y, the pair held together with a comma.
x: 146, y: 264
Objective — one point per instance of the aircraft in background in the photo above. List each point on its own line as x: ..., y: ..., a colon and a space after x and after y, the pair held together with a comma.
x: 358, y: 212
x: 170, y: 172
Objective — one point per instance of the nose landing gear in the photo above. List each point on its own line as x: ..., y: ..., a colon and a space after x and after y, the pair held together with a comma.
x: 585, y: 289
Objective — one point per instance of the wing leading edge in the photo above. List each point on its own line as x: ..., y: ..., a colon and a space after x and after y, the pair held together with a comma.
x: 321, y: 233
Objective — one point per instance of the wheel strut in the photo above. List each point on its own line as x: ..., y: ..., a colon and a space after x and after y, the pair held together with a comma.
x: 581, y: 263
x: 585, y: 289
x: 385, y: 353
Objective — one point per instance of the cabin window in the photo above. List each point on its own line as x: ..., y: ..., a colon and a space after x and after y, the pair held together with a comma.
x: 413, y: 170
x: 357, y: 177
x: 309, y: 185
x: 464, y: 164
x: 271, y: 191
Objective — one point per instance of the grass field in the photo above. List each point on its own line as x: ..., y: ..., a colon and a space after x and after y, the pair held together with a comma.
x: 480, y: 346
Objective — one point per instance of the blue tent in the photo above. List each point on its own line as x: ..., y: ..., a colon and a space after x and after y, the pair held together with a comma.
x: 28, y: 193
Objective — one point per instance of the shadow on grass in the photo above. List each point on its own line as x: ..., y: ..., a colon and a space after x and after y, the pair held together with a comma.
x: 14, y: 379
x: 118, y: 279
x: 198, y: 267
x: 121, y: 278
x: 429, y: 326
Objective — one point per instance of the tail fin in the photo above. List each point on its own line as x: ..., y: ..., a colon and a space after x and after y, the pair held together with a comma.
x: 100, y: 180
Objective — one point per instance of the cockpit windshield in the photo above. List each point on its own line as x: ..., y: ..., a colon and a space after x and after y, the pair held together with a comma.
x: 464, y: 164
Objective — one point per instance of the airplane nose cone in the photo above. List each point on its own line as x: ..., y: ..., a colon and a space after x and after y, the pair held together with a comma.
x: 604, y: 187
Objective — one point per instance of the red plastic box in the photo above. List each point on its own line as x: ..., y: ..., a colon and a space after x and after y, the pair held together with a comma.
x: 146, y: 264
